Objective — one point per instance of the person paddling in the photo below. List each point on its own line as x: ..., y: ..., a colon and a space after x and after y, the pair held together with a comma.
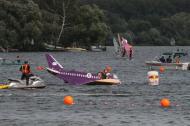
x: 26, y: 72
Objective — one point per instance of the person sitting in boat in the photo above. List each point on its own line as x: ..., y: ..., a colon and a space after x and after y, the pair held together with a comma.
x: 169, y: 59
x: 177, y: 59
x: 26, y: 72
x: 105, y: 73
x: 162, y: 59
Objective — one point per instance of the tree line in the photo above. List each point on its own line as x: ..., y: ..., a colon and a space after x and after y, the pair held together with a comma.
x: 28, y: 24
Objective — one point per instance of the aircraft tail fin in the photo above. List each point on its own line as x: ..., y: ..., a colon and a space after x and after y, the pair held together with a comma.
x: 53, y: 63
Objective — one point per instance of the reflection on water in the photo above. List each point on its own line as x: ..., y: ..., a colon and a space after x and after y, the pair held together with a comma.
x: 133, y: 102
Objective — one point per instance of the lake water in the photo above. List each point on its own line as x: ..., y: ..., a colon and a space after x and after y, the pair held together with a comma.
x: 133, y: 103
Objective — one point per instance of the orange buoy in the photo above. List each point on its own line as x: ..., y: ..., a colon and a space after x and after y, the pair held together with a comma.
x: 39, y: 68
x: 165, y: 102
x: 68, y: 100
x: 162, y: 69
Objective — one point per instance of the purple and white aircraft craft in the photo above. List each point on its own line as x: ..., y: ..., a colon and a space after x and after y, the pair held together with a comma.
x: 77, y: 77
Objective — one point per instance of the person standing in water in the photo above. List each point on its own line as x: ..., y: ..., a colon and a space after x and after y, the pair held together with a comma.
x: 130, y: 53
x: 123, y: 51
x: 25, y: 69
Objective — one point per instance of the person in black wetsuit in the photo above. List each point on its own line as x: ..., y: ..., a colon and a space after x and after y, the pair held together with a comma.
x: 169, y: 59
x: 162, y: 59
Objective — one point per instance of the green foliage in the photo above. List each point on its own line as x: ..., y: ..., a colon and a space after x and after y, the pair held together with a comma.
x: 90, y: 22
x: 22, y: 23
x: 169, y: 17
x: 177, y: 26
x: 90, y: 27
x: 117, y: 23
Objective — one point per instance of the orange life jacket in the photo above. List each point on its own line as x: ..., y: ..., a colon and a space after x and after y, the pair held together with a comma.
x: 25, y: 69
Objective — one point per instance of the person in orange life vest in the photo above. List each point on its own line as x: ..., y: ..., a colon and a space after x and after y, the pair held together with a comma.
x: 25, y: 69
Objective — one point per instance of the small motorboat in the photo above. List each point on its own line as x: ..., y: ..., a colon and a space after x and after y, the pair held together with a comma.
x: 98, y: 48
x: 72, y: 49
x: 182, y: 65
x: 34, y: 82
x: 174, y: 66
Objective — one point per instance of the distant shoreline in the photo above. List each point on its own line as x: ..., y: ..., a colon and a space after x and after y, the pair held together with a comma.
x: 86, y: 50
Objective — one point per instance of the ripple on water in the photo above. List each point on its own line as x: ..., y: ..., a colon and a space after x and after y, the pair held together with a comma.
x: 134, y: 102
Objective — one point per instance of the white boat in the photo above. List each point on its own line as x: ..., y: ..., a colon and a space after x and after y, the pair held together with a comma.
x: 174, y: 66
x: 50, y: 47
x: 156, y: 64
x: 73, y: 49
x: 98, y: 48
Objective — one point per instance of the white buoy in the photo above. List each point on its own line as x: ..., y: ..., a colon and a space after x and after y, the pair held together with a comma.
x: 153, y: 77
